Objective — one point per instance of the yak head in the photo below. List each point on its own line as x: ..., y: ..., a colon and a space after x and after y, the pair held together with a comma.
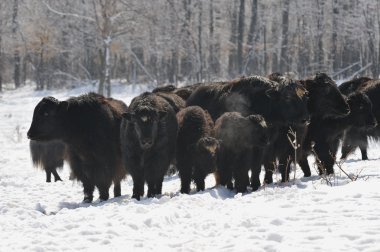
x: 145, y: 121
x: 206, y: 149
x: 260, y: 130
x: 325, y: 99
x: 361, y: 114
x: 291, y: 99
x: 47, y: 123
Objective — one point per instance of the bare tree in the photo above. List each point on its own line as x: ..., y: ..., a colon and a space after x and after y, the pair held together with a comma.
x: 16, y: 75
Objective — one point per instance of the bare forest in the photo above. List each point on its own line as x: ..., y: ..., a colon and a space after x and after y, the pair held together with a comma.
x: 56, y: 43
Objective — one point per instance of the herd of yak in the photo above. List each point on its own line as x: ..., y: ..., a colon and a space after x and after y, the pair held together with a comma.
x: 226, y: 128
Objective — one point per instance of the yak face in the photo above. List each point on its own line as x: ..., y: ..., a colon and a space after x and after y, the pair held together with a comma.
x: 325, y: 99
x: 145, y: 121
x: 206, y: 149
x: 46, y: 123
x: 361, y: 111
x: 293, y: 103
x: 260, y: 131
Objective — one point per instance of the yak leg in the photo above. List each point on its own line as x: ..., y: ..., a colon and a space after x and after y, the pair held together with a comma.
x: 88, y: 189
x: 104, y: 191
x: 185, y: 175
x: 138, y: 186
x: 56, y: 176
x: 48, y: 176
x: 363, y: 149
x: 199, y: 178
x: 116, y: 189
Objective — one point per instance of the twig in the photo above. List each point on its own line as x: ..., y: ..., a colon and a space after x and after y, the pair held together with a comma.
x: 293, y: 142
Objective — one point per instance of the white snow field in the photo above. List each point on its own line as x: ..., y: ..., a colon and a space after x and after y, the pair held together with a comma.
x: 303, y: 215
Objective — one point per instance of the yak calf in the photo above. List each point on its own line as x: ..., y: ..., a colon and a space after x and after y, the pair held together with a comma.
x: 196, y: 147
x: 239, y: 137
x: 148, y: 138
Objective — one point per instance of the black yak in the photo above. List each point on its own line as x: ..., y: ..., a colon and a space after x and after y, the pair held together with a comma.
x: 356, y: 137
x: 240, y: 137
x: 89, y: 125
x: 280, y: 103
x: 148, y: 137
x: 323, y: 101
x: 196, y: 147
x: 326, y: 133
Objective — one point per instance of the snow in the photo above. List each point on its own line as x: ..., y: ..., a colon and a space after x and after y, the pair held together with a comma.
x: 302, y: 215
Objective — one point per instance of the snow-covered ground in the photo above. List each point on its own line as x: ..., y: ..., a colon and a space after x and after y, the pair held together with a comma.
x: 303, y: 215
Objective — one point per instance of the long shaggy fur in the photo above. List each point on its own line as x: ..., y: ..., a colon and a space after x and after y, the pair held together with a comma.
x: 48, y: 156
x: 148, y: 139
x: 196, y: 147
x: 89, y: 125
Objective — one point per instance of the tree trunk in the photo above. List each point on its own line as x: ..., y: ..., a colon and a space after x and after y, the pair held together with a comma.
x: 251, y: 63
x: 214, y: 45
x: 1, y: 51
x: 41, y: 69
x: 334, y: 49
x: 102, y: 75
x: 16, y: 53
x: 1, y: 59
x: 240, y: 37
x: 200, y: 55
x: 378, y: 33
x: 265, y: 50
x: 273, y: 34
x: 284, y: 62
x: 320, y: 54
x: 186, y: 60
x: 233, y: 40
x: 107, y: 75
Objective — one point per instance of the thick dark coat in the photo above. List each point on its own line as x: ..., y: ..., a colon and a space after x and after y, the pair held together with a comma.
x: 356, y: 137
x: 89, y: 125
x: 183, y: 92
x: 48, y: 156
x: 196, y: 147
x: 148, y: 139
x: 174, y: 100
x: 277, y: 102
x: 239, y: 138
x: 186, y: 91
x: 326, y: 133
x: 280, y: 103
x: 324, y: 101
x: 353, y: 85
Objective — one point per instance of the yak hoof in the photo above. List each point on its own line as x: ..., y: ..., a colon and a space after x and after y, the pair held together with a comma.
x: 136, y: 196
x: 307, y: 174
x: 87, y: 200
x: 268, y: 180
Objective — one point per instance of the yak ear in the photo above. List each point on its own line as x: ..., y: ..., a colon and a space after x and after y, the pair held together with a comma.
x: 63, y: 106
x: 128, y: 115
x: 272, y: 93
x: 258, y: 119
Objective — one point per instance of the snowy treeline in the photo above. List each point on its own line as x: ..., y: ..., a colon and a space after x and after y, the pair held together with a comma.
x: 165, y: 41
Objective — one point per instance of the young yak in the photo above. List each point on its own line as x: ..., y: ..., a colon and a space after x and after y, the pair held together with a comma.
x: 148, y: 139
x: 196, y: 147
x: 239, y: 138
